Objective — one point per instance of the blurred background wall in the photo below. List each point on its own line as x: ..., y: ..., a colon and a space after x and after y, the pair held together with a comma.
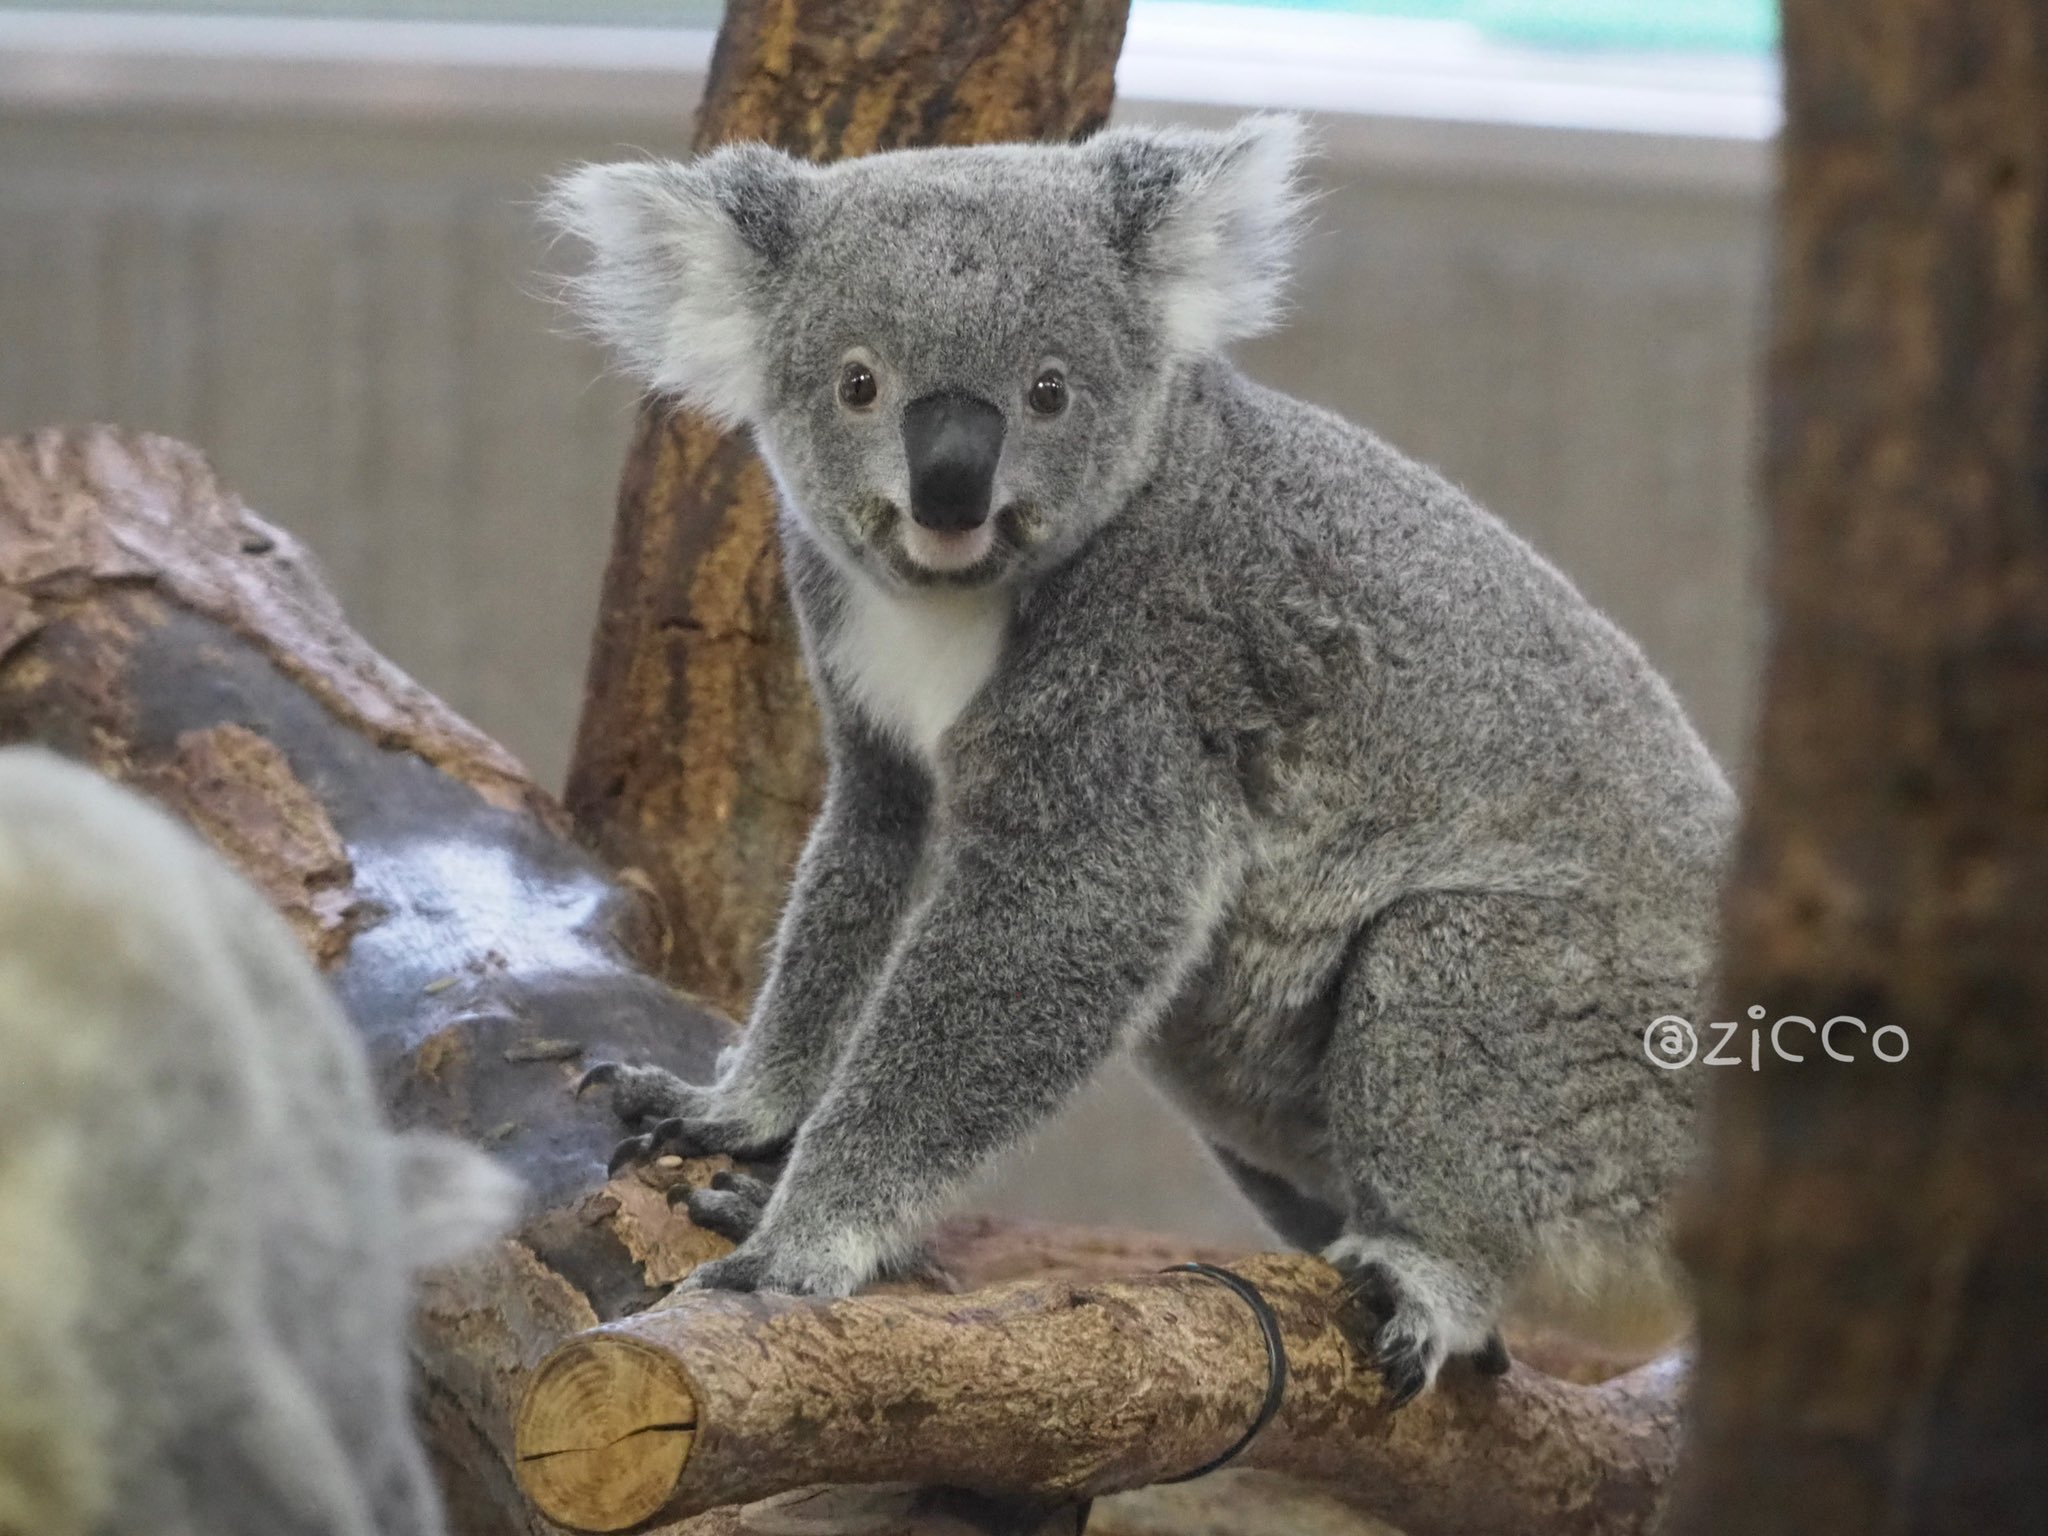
x: 324, y: 271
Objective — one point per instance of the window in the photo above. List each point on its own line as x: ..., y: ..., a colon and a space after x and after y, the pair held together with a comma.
x: 1683, y: 68
x: 1642, y: 26
x: 1638, y: 26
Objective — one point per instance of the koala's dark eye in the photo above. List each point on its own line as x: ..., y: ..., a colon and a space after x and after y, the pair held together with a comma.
x: 857, y: 385
x: 1048, y: 394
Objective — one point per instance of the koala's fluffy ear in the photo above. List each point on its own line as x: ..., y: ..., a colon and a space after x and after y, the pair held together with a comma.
x: 681, y: 258
x: 1210, y: 218
x: 454, y: 1198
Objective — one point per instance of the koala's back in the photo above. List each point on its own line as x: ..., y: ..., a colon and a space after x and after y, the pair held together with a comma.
x: 1341, y: 609
x: 1411, y: 701
x: 203, y: 1300
x: 1388, y: 665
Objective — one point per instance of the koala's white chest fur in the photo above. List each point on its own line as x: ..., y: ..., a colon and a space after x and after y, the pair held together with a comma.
x: 913, y: 660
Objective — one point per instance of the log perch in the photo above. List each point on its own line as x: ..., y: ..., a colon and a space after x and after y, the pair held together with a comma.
x: 1069, y: 1389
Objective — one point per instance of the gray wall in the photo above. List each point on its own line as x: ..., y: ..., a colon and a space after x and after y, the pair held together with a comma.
x: 341, y: 308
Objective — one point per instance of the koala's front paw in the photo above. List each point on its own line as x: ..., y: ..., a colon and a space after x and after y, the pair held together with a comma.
x: 689, y: 1120
x: 731, y: 1207
x: 1409, y: 1312
x: 641, y: 1094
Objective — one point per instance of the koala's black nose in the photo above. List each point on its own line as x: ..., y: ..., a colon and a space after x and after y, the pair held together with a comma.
x: 953, y: 441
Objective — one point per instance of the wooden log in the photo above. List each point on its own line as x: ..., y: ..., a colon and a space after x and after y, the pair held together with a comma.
x: 1073, y: 1389
x: 1871, y: 1240
x: 697, y: 760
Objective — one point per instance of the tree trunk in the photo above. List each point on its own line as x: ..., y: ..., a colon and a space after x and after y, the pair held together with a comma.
x: 1872, y: 1237
x: 697, y: 760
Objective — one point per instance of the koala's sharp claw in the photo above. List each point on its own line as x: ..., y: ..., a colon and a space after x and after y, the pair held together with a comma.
x: 1491, y: 1358
x: 632, y: 1150
x: 1403, y: 1364
x: 1405, y: 1376
x: 604, y: 1072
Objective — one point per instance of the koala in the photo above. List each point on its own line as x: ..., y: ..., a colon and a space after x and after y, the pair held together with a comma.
x: 206, y: 1228
x: 1170, y: 715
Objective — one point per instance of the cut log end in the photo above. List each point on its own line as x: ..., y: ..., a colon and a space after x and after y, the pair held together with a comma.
x: 604, y: 1432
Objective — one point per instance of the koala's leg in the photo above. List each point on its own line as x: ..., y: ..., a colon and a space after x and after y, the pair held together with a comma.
x: 1038, y: 949
x: 1299, y: 1219
x: 850, y: 895
x: 1485, y: 1090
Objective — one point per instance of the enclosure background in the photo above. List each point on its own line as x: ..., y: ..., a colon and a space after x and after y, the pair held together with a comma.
x: 342, y: 308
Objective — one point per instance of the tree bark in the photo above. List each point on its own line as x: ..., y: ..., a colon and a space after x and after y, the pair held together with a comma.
x: 1872, y: 1237
x: 697, y: 759
x: 1070, y: 1390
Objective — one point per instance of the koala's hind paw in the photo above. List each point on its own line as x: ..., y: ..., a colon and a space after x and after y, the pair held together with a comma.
x: 1408, y: 1312
x: 731, y: 1207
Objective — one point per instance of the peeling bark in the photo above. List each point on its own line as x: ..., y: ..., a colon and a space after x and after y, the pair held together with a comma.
x: 697, y: 760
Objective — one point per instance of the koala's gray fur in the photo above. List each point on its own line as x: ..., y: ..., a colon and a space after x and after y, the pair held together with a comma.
x: 1240, y: 741
x: 206, y: 1229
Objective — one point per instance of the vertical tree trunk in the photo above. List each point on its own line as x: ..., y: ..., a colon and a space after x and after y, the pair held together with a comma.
x: 1872, y: 1238
x: 697, y: 759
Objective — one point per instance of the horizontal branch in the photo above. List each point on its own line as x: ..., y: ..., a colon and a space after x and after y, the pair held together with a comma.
x: 1069, y: 1389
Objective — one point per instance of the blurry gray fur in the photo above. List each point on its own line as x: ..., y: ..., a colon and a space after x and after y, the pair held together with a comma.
x: 207, y: 1232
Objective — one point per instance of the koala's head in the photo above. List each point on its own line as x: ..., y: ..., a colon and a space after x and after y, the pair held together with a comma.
x: 953, y: 360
